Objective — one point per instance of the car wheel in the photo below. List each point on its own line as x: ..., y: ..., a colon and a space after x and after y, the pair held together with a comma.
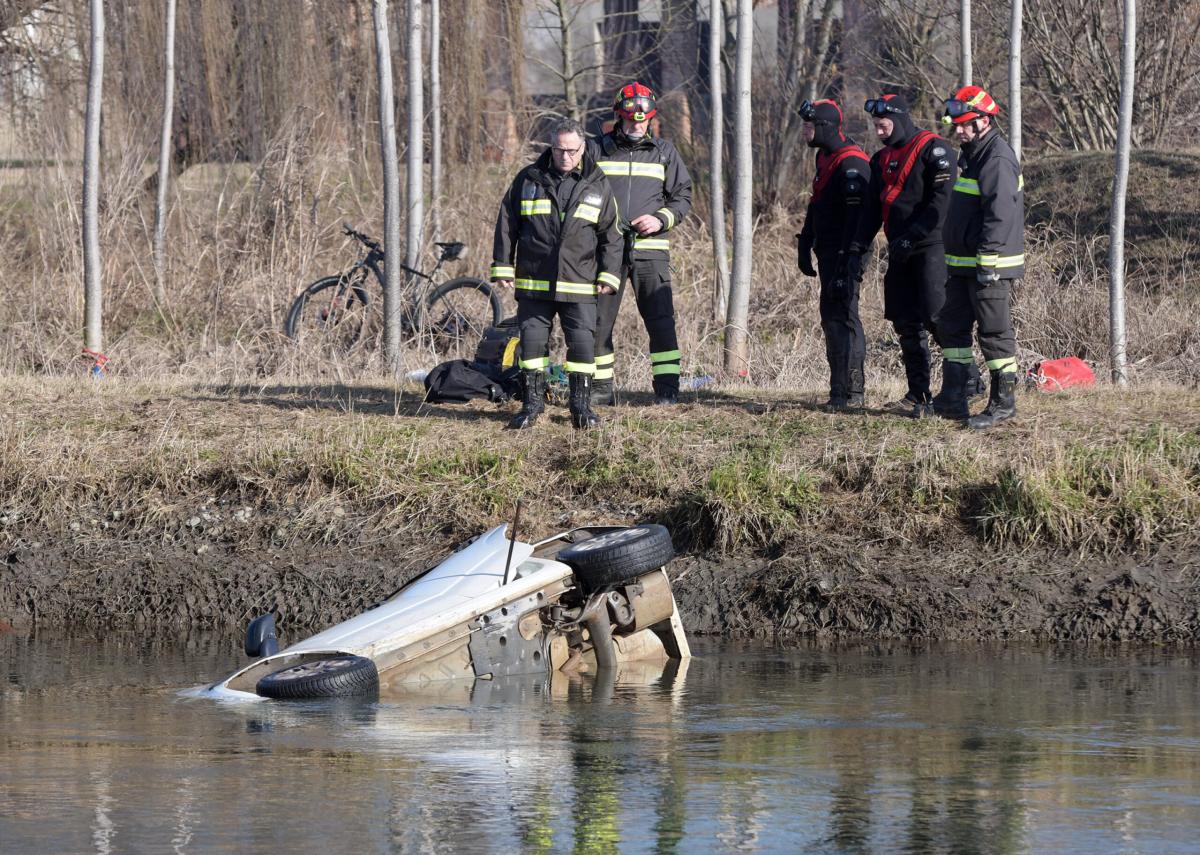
x: 618, y: 556
x: 337, y: 677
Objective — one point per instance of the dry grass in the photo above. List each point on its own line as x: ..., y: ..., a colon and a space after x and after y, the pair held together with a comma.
x: 142, y: 462
x: 245, y: 237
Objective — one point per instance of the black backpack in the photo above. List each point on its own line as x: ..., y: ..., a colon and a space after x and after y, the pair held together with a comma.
x: 499, y: 344
x: 493, y: 374
x: 459, y: 381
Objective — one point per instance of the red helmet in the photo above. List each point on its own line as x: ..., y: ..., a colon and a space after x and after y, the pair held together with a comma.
x: 636, y: 102
x: 967, y: 104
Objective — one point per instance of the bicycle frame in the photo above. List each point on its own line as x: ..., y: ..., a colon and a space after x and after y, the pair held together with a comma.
x: 373, y: 261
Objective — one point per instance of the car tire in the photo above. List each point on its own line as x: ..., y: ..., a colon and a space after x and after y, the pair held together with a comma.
x: 618, y: 556
x: 336, y: 677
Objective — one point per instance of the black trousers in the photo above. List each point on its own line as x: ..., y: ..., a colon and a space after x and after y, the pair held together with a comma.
x: 649, y: 275
x: 914, y: 291
x: 845, y: 345
x: 968, y: 304
x: 536, y: 317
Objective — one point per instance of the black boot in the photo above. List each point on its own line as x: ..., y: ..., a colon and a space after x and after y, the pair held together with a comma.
x: 975, y: 385
x: 1002, y: 405
x: 951, y: 402
x: 582, y: 416
x: 666, y: 389
x: 604, y: 393
x: 533, y: 398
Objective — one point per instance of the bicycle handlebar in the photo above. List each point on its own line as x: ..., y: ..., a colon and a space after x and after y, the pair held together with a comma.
x: 366, y: 241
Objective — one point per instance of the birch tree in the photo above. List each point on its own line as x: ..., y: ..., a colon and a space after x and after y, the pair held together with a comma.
x: 435, y: 117
x: 164, y: 159
x: 716, y: 162
x: 391, y: 187
x: 1014, y: 77
x: 736, y: 332
x: 416, y: 135
x: 964, y: 42
x: 93, y: 294
x: 567, y: 47
x: 1116, y: 229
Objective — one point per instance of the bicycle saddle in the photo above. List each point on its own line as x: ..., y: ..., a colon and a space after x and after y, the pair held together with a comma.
x: 451, y: 250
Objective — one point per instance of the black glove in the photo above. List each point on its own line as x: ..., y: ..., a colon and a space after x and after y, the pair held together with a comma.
x: 855, y: 265
x: 986, y: 276
x: 804, y: 255
x: 899, y: 250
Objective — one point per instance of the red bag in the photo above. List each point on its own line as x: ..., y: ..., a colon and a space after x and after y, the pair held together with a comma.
x: 1054, y: 375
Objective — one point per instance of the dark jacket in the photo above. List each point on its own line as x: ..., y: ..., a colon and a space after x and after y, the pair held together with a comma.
x: 839, y: 188
x: 910, y: 205
x: 986, y: 223
x: 552, y: 250
x: 647, y: 177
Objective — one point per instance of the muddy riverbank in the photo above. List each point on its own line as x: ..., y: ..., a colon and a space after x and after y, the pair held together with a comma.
x: 846, y: 589
x: 199, y: 505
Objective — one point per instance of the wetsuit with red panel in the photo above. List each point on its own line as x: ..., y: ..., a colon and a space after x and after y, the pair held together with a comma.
x: 912, y: 178
x: 830, y: 224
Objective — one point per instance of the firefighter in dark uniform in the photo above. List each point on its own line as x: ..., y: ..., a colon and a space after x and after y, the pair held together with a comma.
x: 557, y: 242
x: 985, y: 252
x: 654, y: 194
x: 829, y: 226
x: 911, y: 180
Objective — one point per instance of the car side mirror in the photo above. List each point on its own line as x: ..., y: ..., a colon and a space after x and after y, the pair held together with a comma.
x: 260, y: 636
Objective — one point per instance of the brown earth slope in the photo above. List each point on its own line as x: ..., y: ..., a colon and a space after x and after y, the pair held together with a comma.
x: 128, y: 504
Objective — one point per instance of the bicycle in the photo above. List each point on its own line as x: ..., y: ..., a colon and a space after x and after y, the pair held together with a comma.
x: 337, y: 310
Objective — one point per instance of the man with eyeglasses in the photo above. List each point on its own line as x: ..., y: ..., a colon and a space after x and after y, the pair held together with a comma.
x: 557, y: 243
x: 911, y: 180
x: 654, y: 194
x: 985, y: 252
x: 830, y: 223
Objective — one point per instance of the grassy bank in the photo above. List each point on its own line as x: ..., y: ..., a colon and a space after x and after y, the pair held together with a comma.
x: 741, y: 473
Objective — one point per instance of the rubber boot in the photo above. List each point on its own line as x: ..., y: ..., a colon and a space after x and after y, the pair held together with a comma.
x: 533, y: 398
x: 666, y: 389
x: 975, y: 386
x: 580, y: 402
x: 604, y: 393
x: 951, y: 402
x: 1002, y: 405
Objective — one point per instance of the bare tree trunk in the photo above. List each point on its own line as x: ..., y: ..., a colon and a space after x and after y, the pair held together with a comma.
x: 416, y: 136
x: 435, y: 117
x: 964, y: 38
x: 567, y: 46
x: 1116, y: 229
x: 716, y: 147
x: 737, y: 347
x: 820, y: 49
x: 1014, y: 77
x: 93, y: 295
x: 391, y: 188
x: 164, y: 160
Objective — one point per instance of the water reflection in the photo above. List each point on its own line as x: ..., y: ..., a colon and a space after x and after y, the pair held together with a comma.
x: 869, y: 748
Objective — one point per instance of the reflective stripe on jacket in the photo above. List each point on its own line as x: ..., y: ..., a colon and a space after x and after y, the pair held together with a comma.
x: 986, y: 223
x: 553, y: 254
x: 647, y: 177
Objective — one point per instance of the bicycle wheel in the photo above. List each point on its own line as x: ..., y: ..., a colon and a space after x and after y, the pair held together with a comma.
x: 458, y: 314
x: 332, y: 314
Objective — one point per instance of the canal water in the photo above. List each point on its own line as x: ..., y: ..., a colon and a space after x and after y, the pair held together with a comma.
x: 751, y: 747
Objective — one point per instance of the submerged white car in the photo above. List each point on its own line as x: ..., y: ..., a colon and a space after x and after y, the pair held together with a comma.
x: 587, y: 599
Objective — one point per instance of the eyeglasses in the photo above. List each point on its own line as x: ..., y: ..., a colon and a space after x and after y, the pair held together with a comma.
x: 807, y: 110
x: 562, y: 152
x: 879, y: 108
